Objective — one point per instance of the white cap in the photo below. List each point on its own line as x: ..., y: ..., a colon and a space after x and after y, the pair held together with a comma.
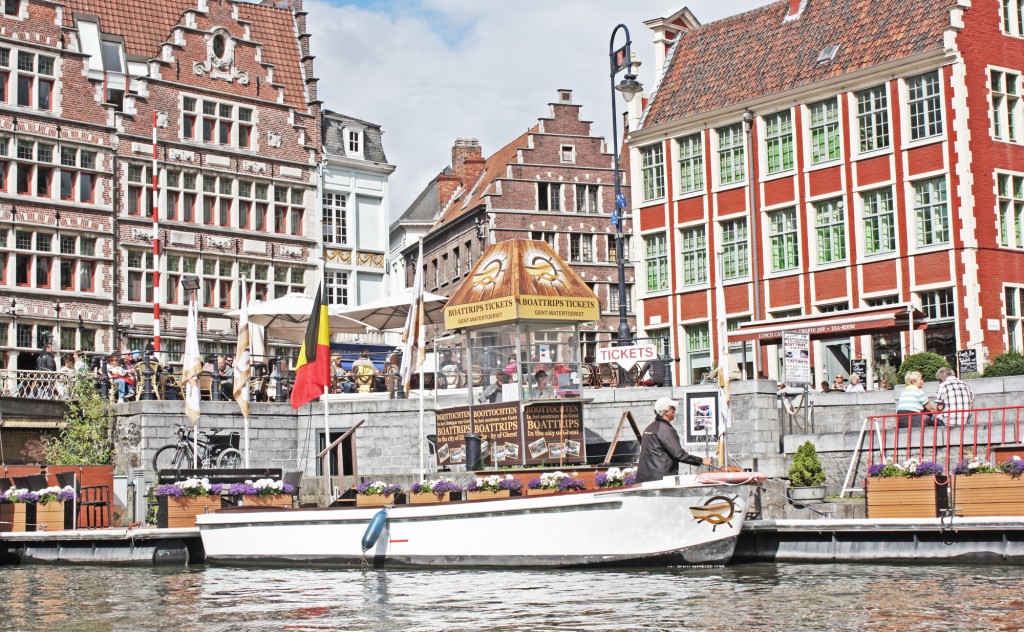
x: 664, y: 404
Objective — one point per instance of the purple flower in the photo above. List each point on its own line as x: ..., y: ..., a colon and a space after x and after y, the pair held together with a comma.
x: 876, y: 469
x: 170, y: 490
x: 630, y: 479
x: 243, y: 489
x: 600, y: 480
x: 571, y: 484
x: 510, y: 484
x: 1013, y: 467
x: 66, y: 495
x: 216, y: 489
x: 534, y: 483
x: 29, y: 497
x: 288, y: 489
x: 446, y: 487
x: 929, y: 468
x: 473, y: 486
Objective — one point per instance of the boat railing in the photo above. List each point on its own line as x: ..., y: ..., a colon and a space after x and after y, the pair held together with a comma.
x: 338, y: 447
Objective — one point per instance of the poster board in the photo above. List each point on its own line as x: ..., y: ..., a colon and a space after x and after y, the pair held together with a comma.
x: 967, y: 361
x: 860, y: 367
x: 796, y: 359
x: 701, y: 417
x: 554, y: 433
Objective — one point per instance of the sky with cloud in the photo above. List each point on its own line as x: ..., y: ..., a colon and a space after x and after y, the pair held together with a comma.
x: 431, y: 71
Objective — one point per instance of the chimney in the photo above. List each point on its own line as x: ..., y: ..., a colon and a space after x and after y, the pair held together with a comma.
x: 473, y: 168
x: 796, y: 7
x: 463, y: 150
x: 447, y: 185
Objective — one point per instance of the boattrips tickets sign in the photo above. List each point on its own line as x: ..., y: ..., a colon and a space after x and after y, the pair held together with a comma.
x: 520, y: 280
x: 553, y: 433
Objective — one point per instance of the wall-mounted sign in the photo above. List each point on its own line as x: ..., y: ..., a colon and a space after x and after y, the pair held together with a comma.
x: 967, y: 360
x: 860, y: 367
x: 626, y: 357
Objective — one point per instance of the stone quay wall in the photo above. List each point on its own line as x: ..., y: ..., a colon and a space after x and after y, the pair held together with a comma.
x: 763, y: 435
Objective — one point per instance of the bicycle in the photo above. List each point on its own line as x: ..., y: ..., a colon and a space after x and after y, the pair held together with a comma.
x: 215, y: 450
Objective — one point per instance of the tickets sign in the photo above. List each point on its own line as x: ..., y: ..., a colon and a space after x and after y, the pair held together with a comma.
x: 626, y: 357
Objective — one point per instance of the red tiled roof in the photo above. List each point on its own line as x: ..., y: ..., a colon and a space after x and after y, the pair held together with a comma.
x: 756, y: 53
x: 145, y: 26
x: 495, y: 167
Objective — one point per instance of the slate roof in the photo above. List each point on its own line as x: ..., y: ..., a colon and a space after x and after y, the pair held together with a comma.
x: 730, y: 61
x: 334, y: 143
x: 495, y: 167
x: 145, y: 26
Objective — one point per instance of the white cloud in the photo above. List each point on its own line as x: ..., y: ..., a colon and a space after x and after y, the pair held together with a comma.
x: 432, y: 71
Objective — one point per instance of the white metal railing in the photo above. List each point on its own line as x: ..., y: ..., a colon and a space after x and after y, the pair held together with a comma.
x: 53, y: 385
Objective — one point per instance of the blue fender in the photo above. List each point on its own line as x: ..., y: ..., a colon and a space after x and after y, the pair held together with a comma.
x: 374, y: 529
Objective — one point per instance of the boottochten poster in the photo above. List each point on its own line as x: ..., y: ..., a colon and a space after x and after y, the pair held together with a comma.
x: 554, y: 433
x: 496, y: 424
x: 796, y: 361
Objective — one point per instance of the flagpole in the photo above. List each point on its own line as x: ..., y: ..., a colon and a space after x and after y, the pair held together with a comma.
x: 724, y: 363
x: 247, y: 368
x: 423, y: 458
x: 327, y: 388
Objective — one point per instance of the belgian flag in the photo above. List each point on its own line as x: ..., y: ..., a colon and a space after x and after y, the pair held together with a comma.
x: 313, y: 370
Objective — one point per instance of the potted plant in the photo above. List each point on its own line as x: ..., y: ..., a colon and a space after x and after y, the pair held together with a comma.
x: 906, y: 490
x: 18, y: 510
x: 554, y: 482
x: 495, y: 486
x: 614, y: 477
x: 435, y: 491
x: 806, y: 475
x: 264, y: 492
x: 180, y: 502
x: 981, y: 489
x: 52, y: 511
x: 376, y: 494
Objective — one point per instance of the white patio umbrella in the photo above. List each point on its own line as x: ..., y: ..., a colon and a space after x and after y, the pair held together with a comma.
x: 390, y: 312
x: 288, y: 316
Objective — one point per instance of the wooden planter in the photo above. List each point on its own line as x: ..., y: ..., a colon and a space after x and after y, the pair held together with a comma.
x: 53, y: 516
x: 17, y: 517
x: 990, y: 494
x: 281, y: 501
x: 182, y: 512
x: 923, y: 497
x: 504, y: 493
x: 375, y: 501
x: 426, y: 499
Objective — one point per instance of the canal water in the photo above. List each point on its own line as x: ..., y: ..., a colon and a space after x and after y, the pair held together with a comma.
x: 742, y: 597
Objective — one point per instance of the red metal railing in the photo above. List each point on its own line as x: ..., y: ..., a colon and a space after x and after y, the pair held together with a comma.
x: 900, y: 437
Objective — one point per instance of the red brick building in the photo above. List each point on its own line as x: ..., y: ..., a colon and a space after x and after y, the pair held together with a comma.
x: 850, y: 160
x: 554, y: 183
x: 239, y: 138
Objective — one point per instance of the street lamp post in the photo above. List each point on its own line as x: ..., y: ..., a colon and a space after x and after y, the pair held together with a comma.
x: 620, y: 59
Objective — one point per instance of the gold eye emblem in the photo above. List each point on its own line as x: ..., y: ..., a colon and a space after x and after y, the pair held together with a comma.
x: 488, y: 274
x: 542, y: 270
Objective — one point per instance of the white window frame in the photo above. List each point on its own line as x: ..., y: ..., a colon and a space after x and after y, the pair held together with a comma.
x: 652, y: 172
x: 834, y: 231
x: 335, y: 208
x: 1011, y: 17
x: 741, y: 247
x: 690, y: 161
x: 933, y: 114
x: 788, y: 237
x: 737, y: 153
x: 193, y: 106
x: 658, y: 260
x: 831, y: 126
x: 777, y: 128
x: 933, y: 207
x: 862, y: 220
x: 567, y: 154
x: 1010, y: 209
x: 1013, y: 316
x: 693, y: 253
x: 873, y: 114
x: 1006, y: 106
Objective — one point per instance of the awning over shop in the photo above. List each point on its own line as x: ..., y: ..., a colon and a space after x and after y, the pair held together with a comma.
x: 857, y: 322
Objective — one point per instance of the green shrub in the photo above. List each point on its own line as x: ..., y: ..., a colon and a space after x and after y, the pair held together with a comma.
x: 970, y: 375
x: 1009, y: 363
x: 885, y: 375
x: 806, y: 470
x: 924, y: 363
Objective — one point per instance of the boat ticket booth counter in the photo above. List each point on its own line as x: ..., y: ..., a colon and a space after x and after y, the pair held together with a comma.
x: 517, y: 387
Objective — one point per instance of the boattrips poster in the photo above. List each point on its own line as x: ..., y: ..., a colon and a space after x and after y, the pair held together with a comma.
x: 553, y: 433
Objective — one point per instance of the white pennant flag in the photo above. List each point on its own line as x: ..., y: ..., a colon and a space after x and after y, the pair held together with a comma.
x: 243, y: 361
x: 191, y: 364
x: 414, y: 336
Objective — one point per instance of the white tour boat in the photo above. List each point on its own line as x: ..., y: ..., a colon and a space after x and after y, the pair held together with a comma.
x: 684, y: 520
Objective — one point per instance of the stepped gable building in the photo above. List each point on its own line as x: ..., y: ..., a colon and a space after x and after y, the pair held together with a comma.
x: 859, y: 165
x: 232, y: 89
x: 553, y: 183
x: 356, y: 206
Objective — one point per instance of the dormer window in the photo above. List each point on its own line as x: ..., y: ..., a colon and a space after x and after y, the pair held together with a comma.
x: 355, y: 142
x: 113, y: 56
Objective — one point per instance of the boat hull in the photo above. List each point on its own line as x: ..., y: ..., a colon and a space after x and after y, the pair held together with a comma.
x: 662, y: 523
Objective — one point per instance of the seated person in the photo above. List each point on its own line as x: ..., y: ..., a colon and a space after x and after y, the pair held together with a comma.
x: 913, y: 400
x: 825, y: 388
x: 512, y: 368
x: 492, y: 394
x: 364, y: 372
x: 542, y: 390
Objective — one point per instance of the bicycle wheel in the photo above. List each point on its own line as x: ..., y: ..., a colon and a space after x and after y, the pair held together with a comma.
x: 230, y: 459
x: 170, y: 457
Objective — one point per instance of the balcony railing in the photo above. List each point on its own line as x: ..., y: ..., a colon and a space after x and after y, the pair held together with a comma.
x: 52, y: 385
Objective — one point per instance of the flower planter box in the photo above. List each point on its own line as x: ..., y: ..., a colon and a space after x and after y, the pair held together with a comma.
x: 504, y: 493
x: 53, y: 516
x: 181, y: 512
x: 375, y: 500
x: 923, y: 497
x: 426, y: 499
x: 990, y: 494
x: 281, y: 501
x: 17, y: 517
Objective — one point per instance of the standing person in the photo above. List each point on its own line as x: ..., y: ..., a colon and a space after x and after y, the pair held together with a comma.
x: 45, y: 361
x: 227, y: 377
x: 855, y: 385
x: 660, y: 451
x: 81, y: 363
x: 913, y: 400
x: 955, y: 397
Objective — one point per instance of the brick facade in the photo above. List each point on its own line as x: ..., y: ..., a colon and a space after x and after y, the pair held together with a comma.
x: 555, y: 182
x: 239, y: 138
x: 907, y: 210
